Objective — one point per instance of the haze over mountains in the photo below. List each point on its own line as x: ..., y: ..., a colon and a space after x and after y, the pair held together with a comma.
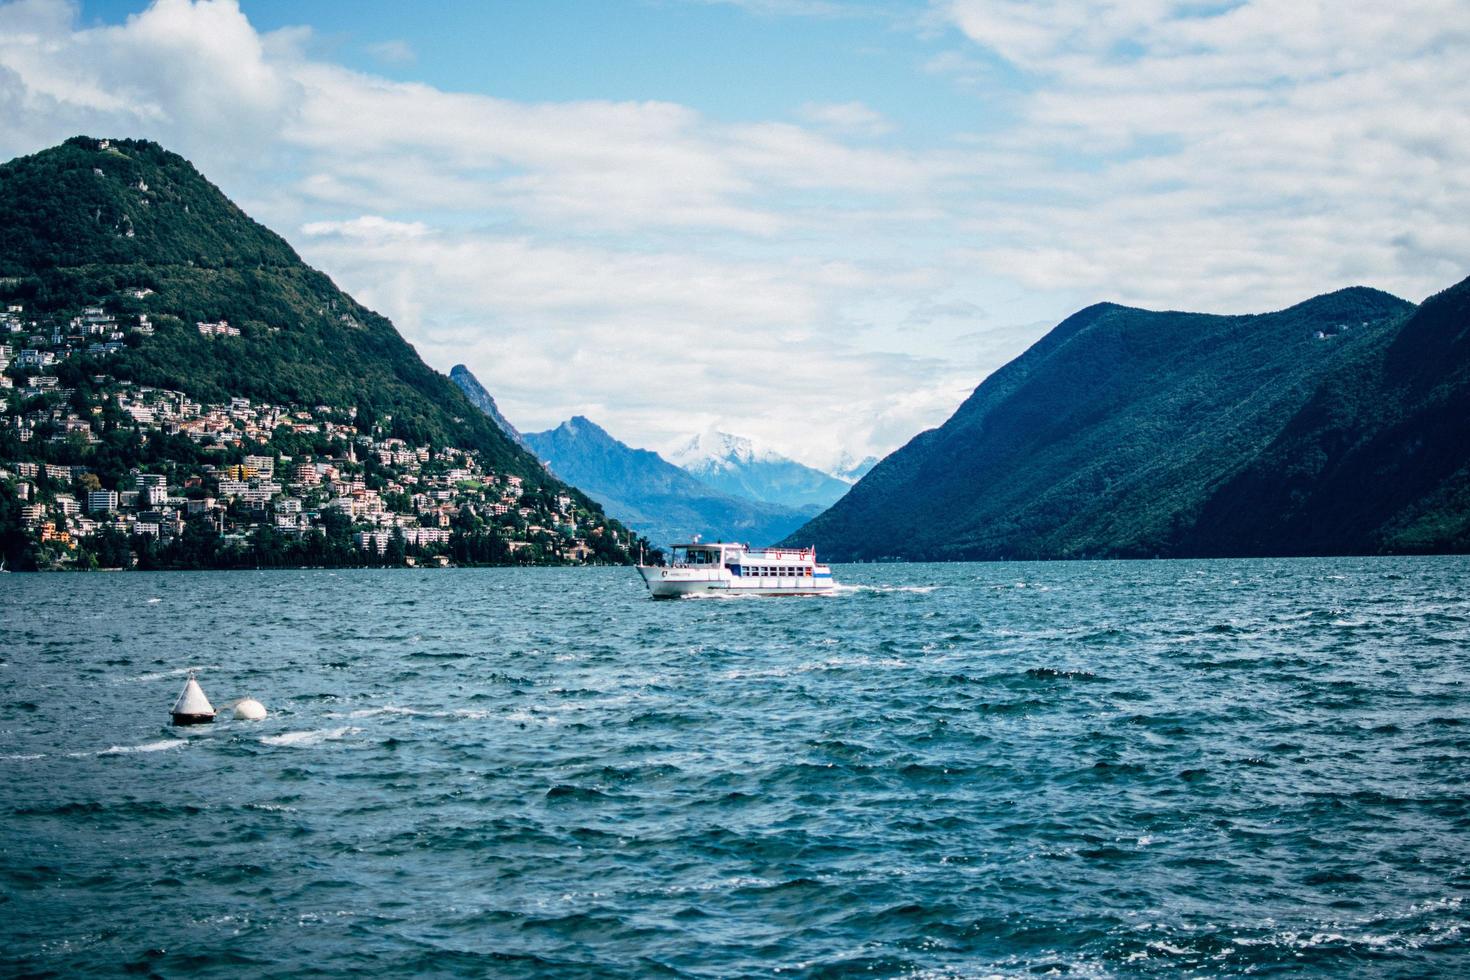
x: 1337, y: 426
x: 850, y: 469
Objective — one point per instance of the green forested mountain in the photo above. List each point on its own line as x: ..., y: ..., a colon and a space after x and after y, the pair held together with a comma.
x: 1336, y: 426
x: 123, y: 274
x: 1378, y: 457
x: 87, y: 221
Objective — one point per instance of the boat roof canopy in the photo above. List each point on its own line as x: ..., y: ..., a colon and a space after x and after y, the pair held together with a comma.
x: 772, y: 554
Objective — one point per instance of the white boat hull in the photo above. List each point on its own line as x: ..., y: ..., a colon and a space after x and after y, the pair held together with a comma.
x: 675, y: 583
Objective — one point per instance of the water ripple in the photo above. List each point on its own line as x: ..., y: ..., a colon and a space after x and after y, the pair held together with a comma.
x: 1093, y: 769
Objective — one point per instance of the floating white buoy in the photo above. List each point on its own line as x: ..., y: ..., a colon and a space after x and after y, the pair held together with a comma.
x: 249, y: 709
x: 192, y: 707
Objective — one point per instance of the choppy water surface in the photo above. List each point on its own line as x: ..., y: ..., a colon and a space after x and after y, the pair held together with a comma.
x: 1110, y: 768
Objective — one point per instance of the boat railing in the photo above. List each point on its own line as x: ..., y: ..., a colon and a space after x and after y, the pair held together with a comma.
x: 778, y: 553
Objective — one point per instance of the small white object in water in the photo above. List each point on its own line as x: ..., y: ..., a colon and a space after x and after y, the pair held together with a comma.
x: 192, y: 707
x: 249, y: 709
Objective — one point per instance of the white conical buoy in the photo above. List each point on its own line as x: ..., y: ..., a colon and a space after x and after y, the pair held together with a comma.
x: 192, y: 707
x: 249, y: 709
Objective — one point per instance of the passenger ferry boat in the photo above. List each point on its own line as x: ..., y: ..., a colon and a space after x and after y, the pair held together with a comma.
x: 703, y: 569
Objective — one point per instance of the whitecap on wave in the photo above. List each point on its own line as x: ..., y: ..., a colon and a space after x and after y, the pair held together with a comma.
x: 312, y: 737
x: 532, y: 717
x: 393, y: 709
x: 844, y: 589
x: 157, y: 746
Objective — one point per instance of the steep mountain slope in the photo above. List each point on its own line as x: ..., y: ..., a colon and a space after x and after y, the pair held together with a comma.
x: 1377, y: 460
x: 482, y: 399
x: 733, y: 465
x: 91, y: 218
x: 655, y: 497
x: 132, y: 224
x: 1109, y: 437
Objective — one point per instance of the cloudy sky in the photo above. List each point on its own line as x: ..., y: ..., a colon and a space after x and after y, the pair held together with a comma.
x: 813, y: 222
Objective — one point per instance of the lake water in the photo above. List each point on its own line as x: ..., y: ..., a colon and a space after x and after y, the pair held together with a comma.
x: 1130, y: 768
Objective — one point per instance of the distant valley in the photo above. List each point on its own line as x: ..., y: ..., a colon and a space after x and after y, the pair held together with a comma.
x: 724, y: 488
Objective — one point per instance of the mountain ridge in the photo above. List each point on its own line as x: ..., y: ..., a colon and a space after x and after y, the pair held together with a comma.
x: 485, y: 402
x: 65, y: 214
x: 1108, y: 437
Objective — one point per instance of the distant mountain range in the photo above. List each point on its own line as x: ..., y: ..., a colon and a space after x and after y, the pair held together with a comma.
x: 1338, y: 426
x: 661, y: 501
x: 735, y: 466
x: 730, y: 490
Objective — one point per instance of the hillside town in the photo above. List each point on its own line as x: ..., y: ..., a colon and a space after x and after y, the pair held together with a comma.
x: 102, y: 472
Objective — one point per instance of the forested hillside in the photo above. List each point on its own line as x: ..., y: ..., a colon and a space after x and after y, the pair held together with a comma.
x: 1335, y: 426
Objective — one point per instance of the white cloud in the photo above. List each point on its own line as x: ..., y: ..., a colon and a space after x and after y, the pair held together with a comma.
x: 1184, y: 154
x: 368, y: 227
x: 625, y: 335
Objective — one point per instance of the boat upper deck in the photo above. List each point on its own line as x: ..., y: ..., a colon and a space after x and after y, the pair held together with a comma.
x: 729, y: 554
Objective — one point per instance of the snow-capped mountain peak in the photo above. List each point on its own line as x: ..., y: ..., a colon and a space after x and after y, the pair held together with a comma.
x: 712, y: 450
x: 739, y: 467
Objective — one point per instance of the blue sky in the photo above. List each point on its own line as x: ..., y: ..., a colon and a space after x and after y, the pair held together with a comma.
x: 816, y: 223
x: 730, y: 61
